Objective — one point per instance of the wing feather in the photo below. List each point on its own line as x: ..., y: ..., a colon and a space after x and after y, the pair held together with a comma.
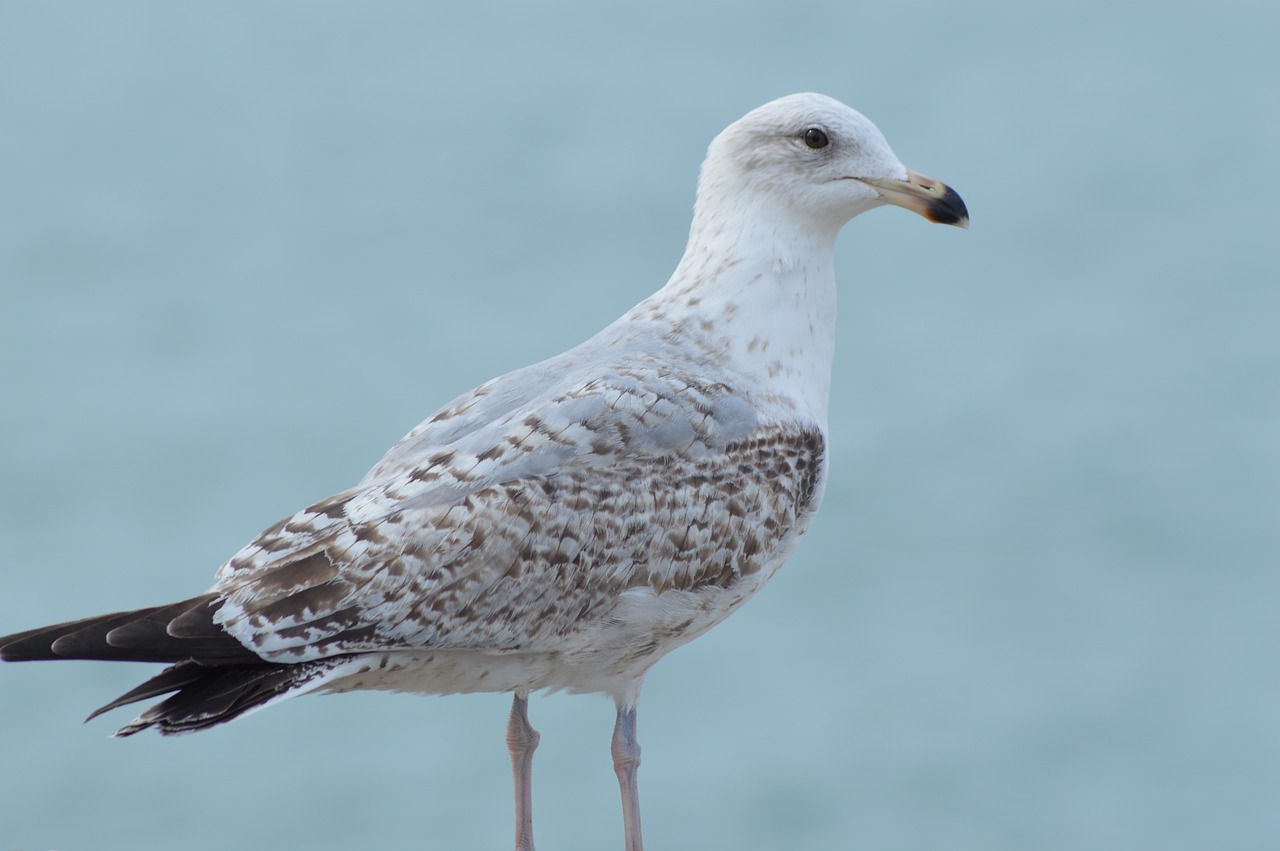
x: 664, y: 485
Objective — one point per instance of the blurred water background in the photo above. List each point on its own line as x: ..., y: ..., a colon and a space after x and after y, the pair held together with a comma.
x: 245, y: 246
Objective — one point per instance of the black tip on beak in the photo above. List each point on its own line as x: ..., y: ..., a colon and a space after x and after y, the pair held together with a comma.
x: 948, y: 209
x: 933, y: 199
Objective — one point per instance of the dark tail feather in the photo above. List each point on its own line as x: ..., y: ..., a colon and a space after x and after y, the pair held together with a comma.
x: 170, y: 679
x: 215, y: 677
x: 37, y: 644
x: 207, y: 695
x: 171, y: 633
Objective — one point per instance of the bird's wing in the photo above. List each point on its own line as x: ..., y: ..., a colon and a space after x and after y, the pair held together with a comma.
x: 473, y: 411
x: 521, y: 532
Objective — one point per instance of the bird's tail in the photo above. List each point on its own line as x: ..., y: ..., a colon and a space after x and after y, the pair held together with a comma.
x: 212, y: 677
x: 204, y: 696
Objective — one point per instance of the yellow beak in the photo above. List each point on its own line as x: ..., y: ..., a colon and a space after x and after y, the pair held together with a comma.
x: 933, y: 199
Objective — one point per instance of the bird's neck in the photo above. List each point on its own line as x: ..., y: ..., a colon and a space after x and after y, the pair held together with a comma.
x: 761, y: 289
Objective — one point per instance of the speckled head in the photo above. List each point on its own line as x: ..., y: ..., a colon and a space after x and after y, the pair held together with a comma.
x: 816, y: 158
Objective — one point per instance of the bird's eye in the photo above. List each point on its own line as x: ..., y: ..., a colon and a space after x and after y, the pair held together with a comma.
x: 815, y: 138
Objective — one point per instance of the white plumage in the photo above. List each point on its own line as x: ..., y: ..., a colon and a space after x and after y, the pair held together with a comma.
x: 566, y: 525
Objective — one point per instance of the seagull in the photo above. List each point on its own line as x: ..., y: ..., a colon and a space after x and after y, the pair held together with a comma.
x: 566, y: 525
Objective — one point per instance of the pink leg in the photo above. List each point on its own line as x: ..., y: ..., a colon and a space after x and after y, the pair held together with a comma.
x: 522, y: 740
x: 626, y: 759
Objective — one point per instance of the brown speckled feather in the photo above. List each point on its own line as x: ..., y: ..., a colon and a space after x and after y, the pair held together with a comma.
x: 525, y: 537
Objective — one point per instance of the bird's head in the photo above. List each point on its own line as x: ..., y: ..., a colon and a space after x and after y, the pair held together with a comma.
x: 820, y: 160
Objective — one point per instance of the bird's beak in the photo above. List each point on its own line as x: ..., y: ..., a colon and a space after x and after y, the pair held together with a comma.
x: 933, y: 199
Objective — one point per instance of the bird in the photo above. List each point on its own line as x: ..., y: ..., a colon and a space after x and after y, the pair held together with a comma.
x: 563, y: 526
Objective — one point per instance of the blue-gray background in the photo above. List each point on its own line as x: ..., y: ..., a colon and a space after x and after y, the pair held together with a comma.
x: 245, y: 246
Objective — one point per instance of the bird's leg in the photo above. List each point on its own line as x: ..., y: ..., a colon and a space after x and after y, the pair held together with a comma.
x: 626, y: 759
x: 522, y: 740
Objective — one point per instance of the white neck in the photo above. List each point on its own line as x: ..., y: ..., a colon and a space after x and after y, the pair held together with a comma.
x: 760, y: 288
